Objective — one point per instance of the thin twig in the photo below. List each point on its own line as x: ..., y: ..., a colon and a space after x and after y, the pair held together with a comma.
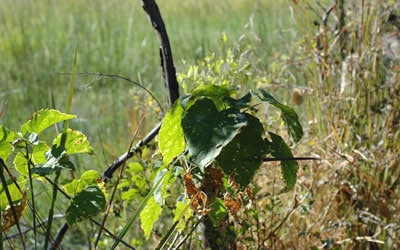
x: 9, y: 199
x: 267, y: 159
x: 98, y: 76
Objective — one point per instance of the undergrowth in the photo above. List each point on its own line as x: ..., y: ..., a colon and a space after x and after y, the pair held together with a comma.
x: 341, y: 77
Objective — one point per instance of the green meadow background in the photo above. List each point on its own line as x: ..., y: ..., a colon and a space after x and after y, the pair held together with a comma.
x: 38, y: 38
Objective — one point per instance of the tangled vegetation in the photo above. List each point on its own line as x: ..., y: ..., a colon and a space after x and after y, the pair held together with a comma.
x: 296, y: 148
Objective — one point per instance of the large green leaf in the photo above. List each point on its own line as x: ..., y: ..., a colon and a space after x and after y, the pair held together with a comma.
x: 44, y: 119
x: 89, y: 202
x: 76, y: 142
x: 149, y: 216
x: 278, y: 148
x: 288, y: 115
x: 208, y: 131
x: 242, y: 157
x: 171, y: 139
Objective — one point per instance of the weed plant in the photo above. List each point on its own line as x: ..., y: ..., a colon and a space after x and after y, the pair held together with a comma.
x: 335, y: 71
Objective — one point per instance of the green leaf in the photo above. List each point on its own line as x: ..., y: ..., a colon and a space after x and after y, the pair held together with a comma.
x: 38, y: 157
x: 44, y: 119
x: 288, y: 115
x: 208, y: 131
x: 76, y: 142
x: 88, y: 178
x: 21, y: 164
x: 215, y: 92
x: 242, y: 157
x: 6, y: 139
x: 149, y: 216
x: 89, y: 202
x: 243, y: 102
x: 56, y: 159
x: 171, y: 139
x: 279, y: 149
x: 210, y: 90
x: 39, y: 152
x: 218, y: 211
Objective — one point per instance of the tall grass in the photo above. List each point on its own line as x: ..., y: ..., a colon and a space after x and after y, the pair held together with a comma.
x: 37, y: 40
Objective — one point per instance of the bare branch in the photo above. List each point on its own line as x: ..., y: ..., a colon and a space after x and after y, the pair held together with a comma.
x: 167, y: 63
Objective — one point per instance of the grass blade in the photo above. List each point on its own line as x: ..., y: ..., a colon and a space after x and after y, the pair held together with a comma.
x: 138, y: 211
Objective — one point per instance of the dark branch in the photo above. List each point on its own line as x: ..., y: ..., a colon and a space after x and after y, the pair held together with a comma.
x: 167, y: 63
x: 291, y: 159
x: 127, y: 155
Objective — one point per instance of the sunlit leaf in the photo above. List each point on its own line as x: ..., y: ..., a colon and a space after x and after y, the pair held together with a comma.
x: 242, y: 157
x: 88, y: 178
x: 39, y: 152
x: 208, y: 131
x: 89, y: 202
x: 149, y: 216
x: 6, y: 139
x: 217, y: 93
x: 171, y: 139
x: 76, y: 142
x: 44, y: 119
x: 278, y: 148
x: 288, y: 115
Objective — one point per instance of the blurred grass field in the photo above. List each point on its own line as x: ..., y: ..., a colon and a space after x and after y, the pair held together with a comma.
x: 348, y: 200
x: 37, y: 40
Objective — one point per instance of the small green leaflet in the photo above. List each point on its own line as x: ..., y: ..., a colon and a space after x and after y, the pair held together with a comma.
x: 171, y: 139
x: 279, y: 149
x: 44, y: 119
x: 88, y: 178
x: 76, y: 142
x: 149, y: 216
x: 208, y: 131
x: 89, y: 202
x: 288, y: 115
x: 6, y: 138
